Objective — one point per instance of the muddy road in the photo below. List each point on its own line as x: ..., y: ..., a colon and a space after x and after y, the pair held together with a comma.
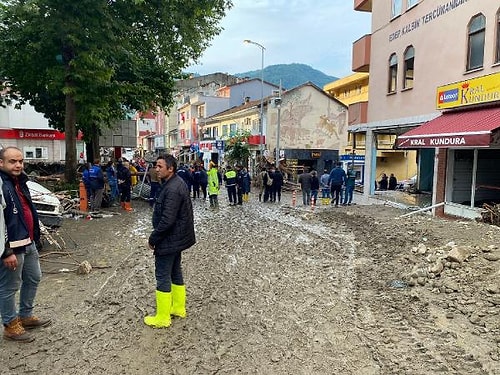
x: 273, y: 290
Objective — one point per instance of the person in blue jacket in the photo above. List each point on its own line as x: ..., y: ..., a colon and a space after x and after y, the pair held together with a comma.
x: 96, y: 185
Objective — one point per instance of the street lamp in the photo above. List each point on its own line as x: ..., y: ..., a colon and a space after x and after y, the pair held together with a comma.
x: 261, y: 120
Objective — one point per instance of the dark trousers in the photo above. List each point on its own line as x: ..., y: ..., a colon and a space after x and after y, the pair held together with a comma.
x: 240, y: 195
x: 276, y: 193
x: 125, y: 194
x: 336, y: 190
x: 231, y: 193
x: 167, y: 271
x: 204, y: 190
x: 155, y: 188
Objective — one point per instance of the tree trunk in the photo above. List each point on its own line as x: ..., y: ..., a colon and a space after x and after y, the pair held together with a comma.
x: 70, y: 139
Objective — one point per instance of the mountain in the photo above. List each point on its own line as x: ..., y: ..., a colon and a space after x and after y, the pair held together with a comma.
x: 291, y: 75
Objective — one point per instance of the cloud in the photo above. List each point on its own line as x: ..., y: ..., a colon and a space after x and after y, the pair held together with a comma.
x: 319, y: 34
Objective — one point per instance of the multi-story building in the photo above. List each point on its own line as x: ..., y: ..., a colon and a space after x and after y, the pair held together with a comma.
x: 353, y: 92
x: 195, y: 108
x: 30, y: 132
x: 311, y: 127
x: 434, y: 82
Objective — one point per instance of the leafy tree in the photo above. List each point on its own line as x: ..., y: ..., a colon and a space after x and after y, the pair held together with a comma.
x: 237, y: 150
x: 84, y: 64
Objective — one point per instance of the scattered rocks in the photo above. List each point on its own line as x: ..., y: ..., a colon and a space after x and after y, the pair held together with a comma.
x: 84, y: 268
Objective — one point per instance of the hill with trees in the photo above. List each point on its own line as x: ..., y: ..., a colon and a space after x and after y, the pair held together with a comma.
x: 291, y: 75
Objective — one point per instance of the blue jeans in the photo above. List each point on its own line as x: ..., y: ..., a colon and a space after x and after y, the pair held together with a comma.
x: 325, y: 192
x: 168, y: 271
x: 349, y: 190
x: 26, y: 278
x: 314, y: 195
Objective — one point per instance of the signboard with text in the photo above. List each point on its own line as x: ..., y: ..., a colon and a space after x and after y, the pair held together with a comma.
x: 479, y: 90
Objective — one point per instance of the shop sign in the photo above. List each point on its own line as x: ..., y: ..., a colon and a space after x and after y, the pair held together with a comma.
x: 348, y: 157
x: 315, y: 154
x: 473, y: 91
x: 464, y: 140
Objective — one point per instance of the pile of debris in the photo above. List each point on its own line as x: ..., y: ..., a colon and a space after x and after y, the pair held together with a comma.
x: 491, y: 214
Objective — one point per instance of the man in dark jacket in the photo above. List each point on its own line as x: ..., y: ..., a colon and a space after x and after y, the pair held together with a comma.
x: 173, y: 232
x: 336, y: 181
x: 124, y: 184
x: 20, y: 265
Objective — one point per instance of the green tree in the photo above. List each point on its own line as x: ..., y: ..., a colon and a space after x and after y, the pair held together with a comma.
x: 84, y: 64
x: 237, y: 150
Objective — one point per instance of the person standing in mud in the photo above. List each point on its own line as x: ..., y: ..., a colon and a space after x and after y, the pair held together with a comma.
x: 20, y: 266
x: 173, y: 232
x: 214, y: 182
x: 124, y: 184
x: 336, y: 181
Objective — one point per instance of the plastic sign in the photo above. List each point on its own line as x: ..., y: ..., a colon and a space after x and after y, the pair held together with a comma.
x: 474, y: 91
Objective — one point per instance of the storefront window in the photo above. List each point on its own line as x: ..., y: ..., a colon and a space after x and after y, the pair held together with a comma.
x: 477, y: 27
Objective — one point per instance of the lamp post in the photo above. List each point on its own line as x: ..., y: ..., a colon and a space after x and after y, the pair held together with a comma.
x: 261, y: 119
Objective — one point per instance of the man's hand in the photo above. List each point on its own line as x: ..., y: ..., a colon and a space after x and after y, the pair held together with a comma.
x: 151, y: 246
x: 10, y: 262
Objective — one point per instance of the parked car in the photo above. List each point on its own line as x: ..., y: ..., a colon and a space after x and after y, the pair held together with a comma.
x: 48, y: 206
x: 407, y: 184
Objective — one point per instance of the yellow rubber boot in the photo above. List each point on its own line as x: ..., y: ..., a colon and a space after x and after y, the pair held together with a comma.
x: 163, y: 307
x: 178, y: 301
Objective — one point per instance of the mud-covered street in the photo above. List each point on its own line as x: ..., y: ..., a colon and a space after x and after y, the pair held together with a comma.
x: 273, y: 290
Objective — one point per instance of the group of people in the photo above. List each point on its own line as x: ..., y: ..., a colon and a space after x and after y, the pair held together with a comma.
x: 387, y: 183
x: 331, y: 184
x: 119, y: 178
x: 20, y: 271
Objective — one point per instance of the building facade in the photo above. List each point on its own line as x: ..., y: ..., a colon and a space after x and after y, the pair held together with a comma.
x: 421, y: 56
x: 353, y: 92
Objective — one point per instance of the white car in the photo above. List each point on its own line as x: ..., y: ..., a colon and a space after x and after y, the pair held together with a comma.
x: 47, y: 205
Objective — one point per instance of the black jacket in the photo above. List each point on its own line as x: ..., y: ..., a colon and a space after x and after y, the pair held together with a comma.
x: 17, y: 230
x: 173, y: 222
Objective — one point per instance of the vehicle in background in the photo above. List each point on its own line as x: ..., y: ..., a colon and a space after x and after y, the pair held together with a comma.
x: 407, y: 184
x: 47, y: 205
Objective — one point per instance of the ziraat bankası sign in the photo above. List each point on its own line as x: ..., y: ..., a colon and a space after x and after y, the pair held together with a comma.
x: 473, y: 91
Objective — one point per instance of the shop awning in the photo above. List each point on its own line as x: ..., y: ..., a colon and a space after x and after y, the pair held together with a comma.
x: 456, y: 129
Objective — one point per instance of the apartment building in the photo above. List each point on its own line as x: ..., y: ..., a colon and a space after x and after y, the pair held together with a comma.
x: 434, y: 70
x: 352, y: 91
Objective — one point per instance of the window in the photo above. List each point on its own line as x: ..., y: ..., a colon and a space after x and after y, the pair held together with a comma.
x: 393, y: 73
x: 409, y: 68
x: 497, y: 52
x: 225, y: 130
x: 232, y: 129
x: 396, y: 8
x: 475, y: 55
x: 412, y: 3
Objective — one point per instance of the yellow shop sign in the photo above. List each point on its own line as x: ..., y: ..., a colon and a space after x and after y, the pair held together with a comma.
x: 479, y: 90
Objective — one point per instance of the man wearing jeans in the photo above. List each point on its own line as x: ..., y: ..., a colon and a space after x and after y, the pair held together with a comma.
x: 20, y: 265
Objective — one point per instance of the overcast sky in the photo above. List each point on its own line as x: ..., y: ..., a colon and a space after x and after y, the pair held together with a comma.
x: 318, y: 33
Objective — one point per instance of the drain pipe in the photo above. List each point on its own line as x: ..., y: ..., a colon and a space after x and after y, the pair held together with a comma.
x: 423, y: 209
